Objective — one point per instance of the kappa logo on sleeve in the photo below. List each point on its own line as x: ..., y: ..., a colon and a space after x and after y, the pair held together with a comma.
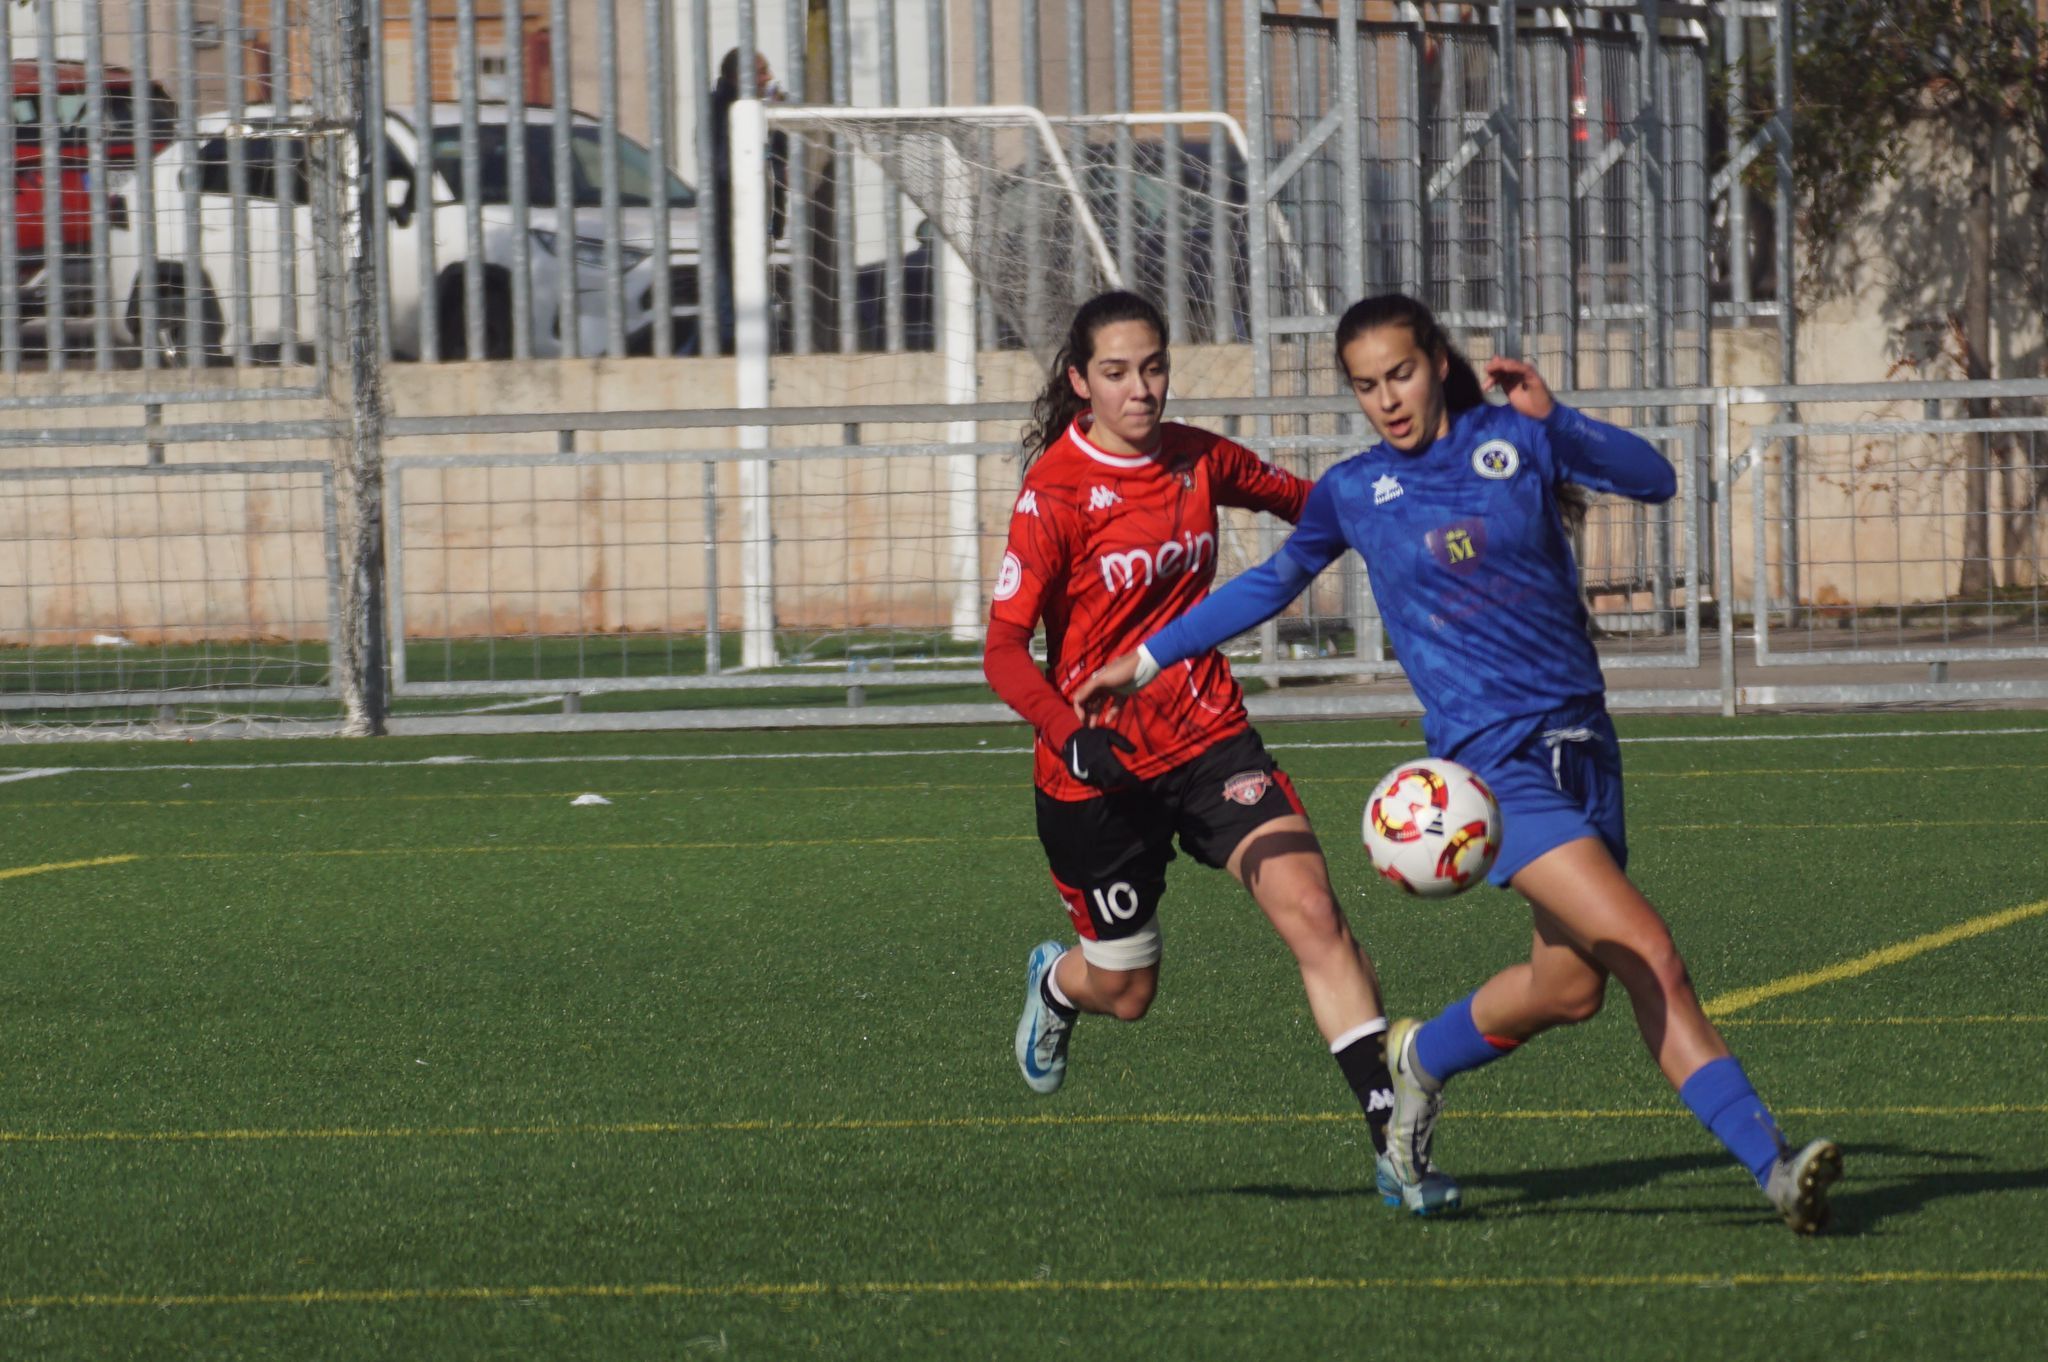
x: 1028, y: 504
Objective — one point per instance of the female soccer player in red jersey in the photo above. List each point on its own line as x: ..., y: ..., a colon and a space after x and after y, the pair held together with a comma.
x: 1113, y: 535
x: 1494, y: 639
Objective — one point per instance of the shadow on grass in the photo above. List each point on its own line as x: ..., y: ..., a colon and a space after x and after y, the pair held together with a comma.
x: 1863, y: 1202
x: 1862, y: 1207
x: 1525, y: 1190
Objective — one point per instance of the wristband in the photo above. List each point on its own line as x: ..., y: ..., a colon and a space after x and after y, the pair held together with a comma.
x: 1148, y: 667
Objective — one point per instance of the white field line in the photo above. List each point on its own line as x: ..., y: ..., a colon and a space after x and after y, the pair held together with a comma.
x: 980, y: 750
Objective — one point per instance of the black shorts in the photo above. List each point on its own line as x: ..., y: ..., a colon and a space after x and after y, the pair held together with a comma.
x: 1109, y: 855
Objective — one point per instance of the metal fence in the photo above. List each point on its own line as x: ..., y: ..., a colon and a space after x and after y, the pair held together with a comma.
x: 553, y: 178
x: 239, y: 530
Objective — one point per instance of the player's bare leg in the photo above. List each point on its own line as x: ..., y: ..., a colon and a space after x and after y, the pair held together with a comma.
x: 1282, y: 864
x: 1125, y: 994
x: 1585, y: 900
x: 1592, y: 922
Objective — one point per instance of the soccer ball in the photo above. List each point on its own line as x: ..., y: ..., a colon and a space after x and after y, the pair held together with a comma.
x: 1432, y: 827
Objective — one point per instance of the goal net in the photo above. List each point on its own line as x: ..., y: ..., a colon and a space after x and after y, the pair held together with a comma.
x: 1043, y: 213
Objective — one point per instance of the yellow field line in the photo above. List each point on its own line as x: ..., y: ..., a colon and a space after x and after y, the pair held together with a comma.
x: 1729, y: 1003
x: 16, y: 872
x: 1025, y: 1286
x: 859, y: 1125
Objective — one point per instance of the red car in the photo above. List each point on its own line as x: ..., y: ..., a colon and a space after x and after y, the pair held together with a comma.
x: 34, y: 181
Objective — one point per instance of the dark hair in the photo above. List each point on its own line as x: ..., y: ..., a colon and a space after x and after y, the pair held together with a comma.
x: 1057, y: 404
x: 1461, y: 384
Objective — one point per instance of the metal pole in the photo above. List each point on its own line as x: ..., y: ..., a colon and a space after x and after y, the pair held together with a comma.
x: 145, y: 190
x: 1554, y: 309
x: 342, y: 31
x: 423, y: 206
x: 1350, y: 181
x: 711, y: 281
x: 10, y: 259
x: 1077, y: 137
x: 608, y: 152
x: 1175, y: 263
x: 49, y: 166
x: 1722, y: 491
x: 984, y: 143
x: 96, y: 178
x: 892, y: 200
x: 802, y: 249
x: 1735, y: 45
x: 1222, y: 255
x: 517, y: 189
x: 1507, y: 112
x: 568, y: 296
x: 287, y: 157
x: 192, y: 276
x: 751, y: 338
x: 1788, y: 311
x: 238, y: 179
x: 1035, y: 243
x: 846, y: 269
x: 1126, y: 197
x: 474, y: 344
x: 653, y: 16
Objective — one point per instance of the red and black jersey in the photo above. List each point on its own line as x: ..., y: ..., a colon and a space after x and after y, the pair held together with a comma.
x: 1106, y: 549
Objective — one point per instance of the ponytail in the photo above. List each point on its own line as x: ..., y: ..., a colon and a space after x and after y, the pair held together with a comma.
x: 1057, y: 404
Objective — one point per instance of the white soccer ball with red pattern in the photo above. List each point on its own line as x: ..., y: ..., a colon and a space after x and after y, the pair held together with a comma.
x: 1432, y: 828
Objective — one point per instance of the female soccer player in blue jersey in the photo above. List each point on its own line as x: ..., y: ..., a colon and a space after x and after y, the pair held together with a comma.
x: 1456, y: 511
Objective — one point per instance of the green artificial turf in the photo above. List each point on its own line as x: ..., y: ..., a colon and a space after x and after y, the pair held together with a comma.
x: 363, y: 1055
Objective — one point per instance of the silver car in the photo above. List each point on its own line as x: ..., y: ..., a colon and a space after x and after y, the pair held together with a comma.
x: 262, y: 298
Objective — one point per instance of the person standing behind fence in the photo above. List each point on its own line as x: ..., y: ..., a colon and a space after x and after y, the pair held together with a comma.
x: 1114, y: 533
x: 724, y: 95
x: 1458, y: 512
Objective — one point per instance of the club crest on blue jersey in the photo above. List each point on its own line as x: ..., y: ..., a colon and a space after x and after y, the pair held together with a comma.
x: 1458, y: 545
x: 1496, y: 459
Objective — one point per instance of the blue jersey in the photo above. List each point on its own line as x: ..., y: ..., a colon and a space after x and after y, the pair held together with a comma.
x: 1468, y: 558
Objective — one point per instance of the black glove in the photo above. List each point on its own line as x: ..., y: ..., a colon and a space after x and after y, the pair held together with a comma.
x: 1090, y: 756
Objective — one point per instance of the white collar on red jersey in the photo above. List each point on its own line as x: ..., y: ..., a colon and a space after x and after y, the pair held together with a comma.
x: 1102, y: 455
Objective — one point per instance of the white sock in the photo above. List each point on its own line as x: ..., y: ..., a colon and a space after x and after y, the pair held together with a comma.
x: 1358, y: 1033
x: 1059, y: 995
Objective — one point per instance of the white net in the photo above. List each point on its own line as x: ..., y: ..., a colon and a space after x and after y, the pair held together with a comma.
x: 1044, y: 214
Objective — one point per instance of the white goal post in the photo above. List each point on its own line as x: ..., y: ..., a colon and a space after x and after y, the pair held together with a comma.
x: 1018, y: 224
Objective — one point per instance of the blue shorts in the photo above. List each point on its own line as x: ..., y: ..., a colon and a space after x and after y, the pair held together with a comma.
x: 1557, y: 777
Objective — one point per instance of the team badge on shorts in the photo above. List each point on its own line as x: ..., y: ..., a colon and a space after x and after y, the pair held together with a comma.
x: 1247, y: 787
x: 1496, y: 459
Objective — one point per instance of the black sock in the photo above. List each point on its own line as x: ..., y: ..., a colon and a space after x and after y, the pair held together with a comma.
x: 1059, y: 1009
x: 1364, y: 1062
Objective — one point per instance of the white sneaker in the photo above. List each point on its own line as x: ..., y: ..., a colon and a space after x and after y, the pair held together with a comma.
x: 1435, y: 1193
x: 1042, y: 1034
x: 1798, y: 1185
x: 1418, y: 1100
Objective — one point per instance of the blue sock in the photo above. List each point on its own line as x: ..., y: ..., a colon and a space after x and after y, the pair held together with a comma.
x: 1720, y: 1095
x: 1449, y: 1043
